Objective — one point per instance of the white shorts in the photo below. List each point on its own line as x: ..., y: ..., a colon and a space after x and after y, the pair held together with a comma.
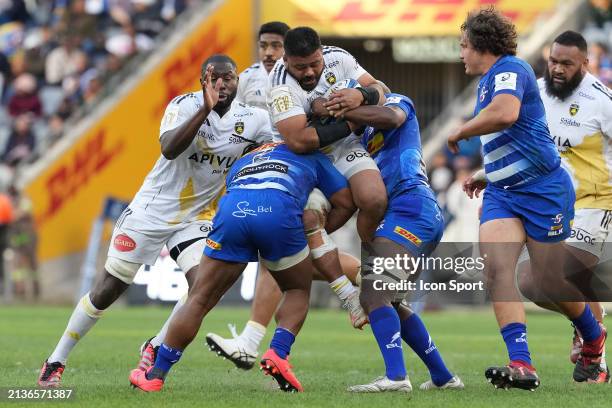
x: 349, y: 156
x: 590, y: 232
x: 137, y: 239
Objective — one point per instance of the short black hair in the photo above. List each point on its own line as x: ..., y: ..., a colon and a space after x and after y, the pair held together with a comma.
x: 572, y: 39
x: 273, y: 27
x: 217, y: 58
x: 301, y: 42
x: 489, y: 31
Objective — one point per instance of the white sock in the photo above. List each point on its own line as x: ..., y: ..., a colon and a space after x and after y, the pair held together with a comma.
x: 342, y: 287
x: 160, y: 337
x: 253, y: 334
x: 83, y: 318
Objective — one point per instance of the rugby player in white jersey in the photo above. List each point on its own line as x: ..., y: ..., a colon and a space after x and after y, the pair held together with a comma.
x: 353, y: 162
x: 201, y: 135
x: 579, y: 115
x: 253, y: 80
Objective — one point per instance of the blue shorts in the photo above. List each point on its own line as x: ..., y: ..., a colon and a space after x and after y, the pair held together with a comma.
x: 545, y: 206
x: 251, y: 221
x: 414, y: 221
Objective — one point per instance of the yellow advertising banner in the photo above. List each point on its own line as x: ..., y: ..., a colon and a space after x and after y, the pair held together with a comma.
x: 395, y: 18
x: 114, y: 155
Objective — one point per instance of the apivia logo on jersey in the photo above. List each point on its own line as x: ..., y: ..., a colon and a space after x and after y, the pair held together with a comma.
x: 224, y: 162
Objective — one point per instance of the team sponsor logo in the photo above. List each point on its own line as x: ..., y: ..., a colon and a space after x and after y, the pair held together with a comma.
x: 260, y: 168
x: 505, y: 80
x: 582, y: 235
x: 430, y: 346
x: 239, y: 127
x: 522, y: 339
x: 407, y: 235
x: 561, y: 142
x: 206, y: 228
x: 213, y: 159
x: 569, y: 122
x: 376, y: 143
x: 333, y: 64
x: 356, y: 154
x: 330, y: 78
x: 206, y: 135
x: 281, y: 99
x: 242, y: 210
x: 124, y: 243
x: 212, y: 244
x: 557, y: 228
x: 395, y: 341
x: 573, y: 109
x: 586, y: 95
x: 483, y: 94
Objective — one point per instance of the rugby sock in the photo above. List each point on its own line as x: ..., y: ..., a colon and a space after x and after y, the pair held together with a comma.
x: 166, y: 358
x: 159, y: 338
x: 515, y: 336
x: 282, y: 341
x: 84, y: 316
x: 415, y: 334
x: 587, y: 325
x: 342, y: 287
x: 253, y: 334
x: 386, y: 328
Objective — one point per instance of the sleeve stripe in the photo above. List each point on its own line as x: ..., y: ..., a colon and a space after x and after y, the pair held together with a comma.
x: 285, y: 77
x: 183, y: 97
x: 277, y: 76
x: 330, y: 49
x: 601, y: 89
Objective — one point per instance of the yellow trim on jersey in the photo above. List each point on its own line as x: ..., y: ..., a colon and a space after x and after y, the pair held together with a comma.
x: 186, y: 200
x: 590, y: 173
x: 208, y: 213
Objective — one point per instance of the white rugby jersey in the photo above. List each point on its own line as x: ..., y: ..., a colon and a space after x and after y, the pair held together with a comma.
x: 189, y: 187
x: 285, y: 96
x: 581, y: 127
x: 252, y: 86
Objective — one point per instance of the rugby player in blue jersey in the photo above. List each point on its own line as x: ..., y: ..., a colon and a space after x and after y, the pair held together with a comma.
x: 261, y: 213
x: 529, y: 198
x: 412, y: 226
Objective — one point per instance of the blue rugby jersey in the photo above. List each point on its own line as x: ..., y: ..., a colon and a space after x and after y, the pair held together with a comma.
x: 525, y: 150
x: 397, y: 152
x: 274, y: 166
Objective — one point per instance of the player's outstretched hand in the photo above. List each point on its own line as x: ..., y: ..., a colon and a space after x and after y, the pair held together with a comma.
x: 343, y: 101
x: 211, y: 93
x: 474, y: 184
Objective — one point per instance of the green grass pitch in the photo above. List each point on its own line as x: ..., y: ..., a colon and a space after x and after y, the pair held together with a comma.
x: 328, y: 356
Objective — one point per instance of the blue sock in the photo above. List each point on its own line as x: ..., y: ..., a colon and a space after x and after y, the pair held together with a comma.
x: 417, y: 337
x: 587, y: 325
x: 515, y: 336
x: 166, y: 357
x: 282, y: 341
x: 386, y: 328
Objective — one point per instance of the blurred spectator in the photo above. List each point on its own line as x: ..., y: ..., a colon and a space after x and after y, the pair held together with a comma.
x: 462, y: 210
x: 601, y: 12
x: 64, y: 60
x: 440, y: 175
x: 21, y: 142
x: 25, y: 97
x: 5, y: 73
x: 13, y: 11
x: 600, y: 63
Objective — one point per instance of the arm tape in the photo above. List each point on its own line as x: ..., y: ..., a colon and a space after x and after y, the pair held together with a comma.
x: 370, y: 95
x: 331, y: 133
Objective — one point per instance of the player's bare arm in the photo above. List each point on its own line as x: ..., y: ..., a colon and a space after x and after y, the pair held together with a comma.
x: 379, y: 117
x: 500, y: 114
x: 175, y: 141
